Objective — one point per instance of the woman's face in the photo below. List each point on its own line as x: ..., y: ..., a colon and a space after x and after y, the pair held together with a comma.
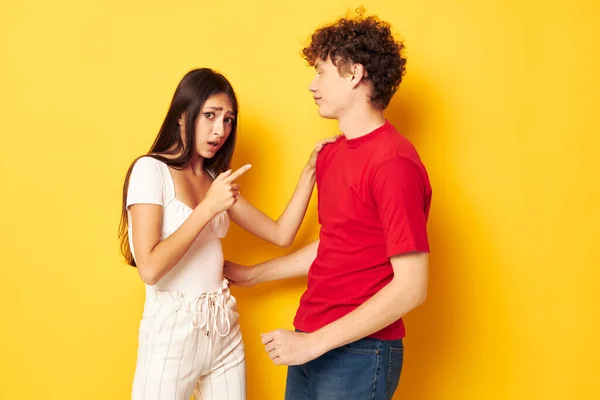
x: 214, y: 125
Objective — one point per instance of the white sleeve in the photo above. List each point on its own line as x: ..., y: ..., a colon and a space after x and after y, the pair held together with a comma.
x: 146, y: 185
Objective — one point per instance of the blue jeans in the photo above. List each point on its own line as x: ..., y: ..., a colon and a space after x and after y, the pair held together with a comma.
x: 368, y: 369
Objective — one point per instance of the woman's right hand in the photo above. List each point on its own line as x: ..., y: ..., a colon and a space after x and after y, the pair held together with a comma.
x: 223, y: 192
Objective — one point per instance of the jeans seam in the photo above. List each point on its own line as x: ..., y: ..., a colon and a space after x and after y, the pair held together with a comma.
x: 389, y: 377
x: 378, y: 353
x: 305, y: 371
x: 360, y: 351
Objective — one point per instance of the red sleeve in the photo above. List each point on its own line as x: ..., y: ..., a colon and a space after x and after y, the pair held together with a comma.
x: 400, y: 197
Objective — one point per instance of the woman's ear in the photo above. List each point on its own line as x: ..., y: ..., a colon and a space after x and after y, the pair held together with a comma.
x: 181, y: 120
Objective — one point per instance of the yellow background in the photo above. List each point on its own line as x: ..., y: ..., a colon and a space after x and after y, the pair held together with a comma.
x: 501, y: 100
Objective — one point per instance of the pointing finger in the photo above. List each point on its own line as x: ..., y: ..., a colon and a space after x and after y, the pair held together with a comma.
x: 239, y: 172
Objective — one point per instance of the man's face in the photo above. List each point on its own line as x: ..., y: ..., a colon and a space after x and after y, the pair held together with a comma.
x: 330, y: 90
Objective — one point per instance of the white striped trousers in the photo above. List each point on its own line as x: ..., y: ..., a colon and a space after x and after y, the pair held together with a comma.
x: 190, y: 344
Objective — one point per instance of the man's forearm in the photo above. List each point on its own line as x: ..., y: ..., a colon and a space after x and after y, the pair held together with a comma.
x: 404, y: 293
x: 292, y: 265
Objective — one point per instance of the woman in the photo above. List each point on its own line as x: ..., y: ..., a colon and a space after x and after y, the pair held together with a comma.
x: 177, y: 202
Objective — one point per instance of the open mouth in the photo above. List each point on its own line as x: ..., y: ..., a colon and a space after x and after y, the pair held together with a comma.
x: 214, y: 145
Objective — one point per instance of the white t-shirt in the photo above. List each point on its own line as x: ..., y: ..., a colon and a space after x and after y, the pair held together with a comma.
x: 201, y: 268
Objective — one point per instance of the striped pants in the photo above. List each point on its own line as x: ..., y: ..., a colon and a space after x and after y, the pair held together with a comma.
x: 190, y: 344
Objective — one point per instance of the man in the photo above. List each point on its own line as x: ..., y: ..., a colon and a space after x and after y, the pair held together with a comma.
x: 369, y: 267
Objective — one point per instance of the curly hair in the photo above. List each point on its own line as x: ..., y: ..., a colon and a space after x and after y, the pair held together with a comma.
x: 367, y: 41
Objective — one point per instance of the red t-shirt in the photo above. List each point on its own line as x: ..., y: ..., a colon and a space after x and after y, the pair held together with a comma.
x: 373, y: 202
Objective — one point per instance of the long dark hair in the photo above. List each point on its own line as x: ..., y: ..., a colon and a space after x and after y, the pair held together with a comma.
x: 191, y: 94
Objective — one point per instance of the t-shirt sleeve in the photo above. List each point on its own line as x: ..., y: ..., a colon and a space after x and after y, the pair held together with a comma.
x: 146, y: 185
x: 399, y: 194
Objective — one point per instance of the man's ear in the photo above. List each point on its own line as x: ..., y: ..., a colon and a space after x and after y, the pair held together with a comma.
x: 358, y: 73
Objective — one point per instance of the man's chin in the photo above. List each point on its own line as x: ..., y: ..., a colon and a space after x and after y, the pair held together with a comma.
x: 324, y: 114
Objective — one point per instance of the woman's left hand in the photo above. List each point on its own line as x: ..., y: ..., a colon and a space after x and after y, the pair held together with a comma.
x: 312, y: 160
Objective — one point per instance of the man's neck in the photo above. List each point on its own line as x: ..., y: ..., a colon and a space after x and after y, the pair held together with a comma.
x: 360, y: 121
